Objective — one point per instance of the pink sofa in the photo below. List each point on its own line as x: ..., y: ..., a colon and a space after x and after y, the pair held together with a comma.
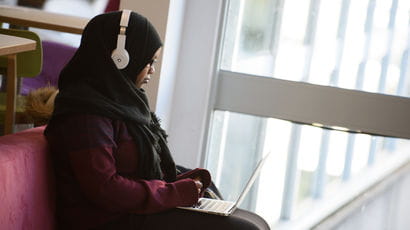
x: 26, y: 182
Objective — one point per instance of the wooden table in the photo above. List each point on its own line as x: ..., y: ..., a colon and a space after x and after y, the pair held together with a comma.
x: 10, y: 46
x: 30, y: 17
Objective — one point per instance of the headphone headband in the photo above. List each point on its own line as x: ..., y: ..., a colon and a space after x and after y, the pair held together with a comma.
x: 125, y: 17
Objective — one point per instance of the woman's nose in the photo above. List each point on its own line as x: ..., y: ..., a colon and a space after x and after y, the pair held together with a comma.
x: 151, y: 69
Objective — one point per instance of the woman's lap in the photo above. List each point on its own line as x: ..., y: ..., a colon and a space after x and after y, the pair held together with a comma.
x: 182, y: 219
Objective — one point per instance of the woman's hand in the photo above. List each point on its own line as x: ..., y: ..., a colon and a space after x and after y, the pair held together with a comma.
x: 201, y: 177
x: 198, y: 184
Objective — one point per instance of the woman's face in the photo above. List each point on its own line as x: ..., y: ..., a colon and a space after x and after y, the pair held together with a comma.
x: 145, y: 75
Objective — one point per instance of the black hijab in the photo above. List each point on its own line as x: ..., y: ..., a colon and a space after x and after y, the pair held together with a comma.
x: 91, y: 83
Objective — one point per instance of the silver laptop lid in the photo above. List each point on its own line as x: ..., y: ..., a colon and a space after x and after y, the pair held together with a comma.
x: 252, y: 179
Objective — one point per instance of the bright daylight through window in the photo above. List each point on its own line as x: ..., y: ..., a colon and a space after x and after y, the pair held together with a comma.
x: 354, y: 46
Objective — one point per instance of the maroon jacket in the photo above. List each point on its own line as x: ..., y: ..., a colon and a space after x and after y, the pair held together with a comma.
x: 95, y: 160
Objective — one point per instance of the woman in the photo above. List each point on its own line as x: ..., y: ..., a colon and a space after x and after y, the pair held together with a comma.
x: 113, y: 167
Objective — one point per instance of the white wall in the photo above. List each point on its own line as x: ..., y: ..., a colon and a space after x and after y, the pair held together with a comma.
x: 161, y: 90
x: 157, y: 13
x: 183, y: 99
x: 170, y: 61
x: 191, y: 103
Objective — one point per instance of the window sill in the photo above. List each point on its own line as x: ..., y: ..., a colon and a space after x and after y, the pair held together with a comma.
x: 342, y: 198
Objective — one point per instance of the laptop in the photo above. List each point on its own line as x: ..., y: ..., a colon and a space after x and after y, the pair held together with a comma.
x: 223, y: 207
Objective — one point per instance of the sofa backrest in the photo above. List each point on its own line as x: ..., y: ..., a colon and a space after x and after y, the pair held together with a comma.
x: 27, y: 197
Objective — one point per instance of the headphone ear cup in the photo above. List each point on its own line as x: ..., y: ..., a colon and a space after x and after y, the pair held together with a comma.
x: 120, y: 58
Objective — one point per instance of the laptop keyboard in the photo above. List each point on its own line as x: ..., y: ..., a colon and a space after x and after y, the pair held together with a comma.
x: 214, y: 205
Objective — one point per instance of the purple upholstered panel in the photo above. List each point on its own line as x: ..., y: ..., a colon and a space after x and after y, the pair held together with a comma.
x: 26, y: 182
x: 55, y: 57
x: 112, y: 5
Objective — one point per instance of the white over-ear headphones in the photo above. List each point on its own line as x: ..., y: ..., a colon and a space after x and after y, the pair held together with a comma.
x: 120, y: 55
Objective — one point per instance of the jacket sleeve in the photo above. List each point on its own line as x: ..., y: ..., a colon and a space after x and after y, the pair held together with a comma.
x: 93, y: 164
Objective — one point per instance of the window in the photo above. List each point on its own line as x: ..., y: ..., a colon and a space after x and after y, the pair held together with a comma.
x: 316, y: 83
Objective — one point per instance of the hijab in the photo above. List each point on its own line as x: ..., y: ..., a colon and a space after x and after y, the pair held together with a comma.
x: 91, y: 84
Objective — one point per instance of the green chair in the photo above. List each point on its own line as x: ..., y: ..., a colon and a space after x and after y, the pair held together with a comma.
x: 29, y: 64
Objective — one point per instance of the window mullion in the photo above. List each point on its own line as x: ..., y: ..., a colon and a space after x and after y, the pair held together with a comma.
x: 222, y: 148
x: 348, y: 157
x: 291, y: 174
x: 291, y: 169
x: 320, y: 174
x: 310, y: 35
x: 405, y: 63
x: 233, y: 26
x: 341, y: 34
x: 383, y: 75
x: 368, y: 31
x: 372, y: 151
x: 250, y: 201
x: 319, y: 181
x: 386, y: 58
x: 278, y: 16
x: 359, y: 85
